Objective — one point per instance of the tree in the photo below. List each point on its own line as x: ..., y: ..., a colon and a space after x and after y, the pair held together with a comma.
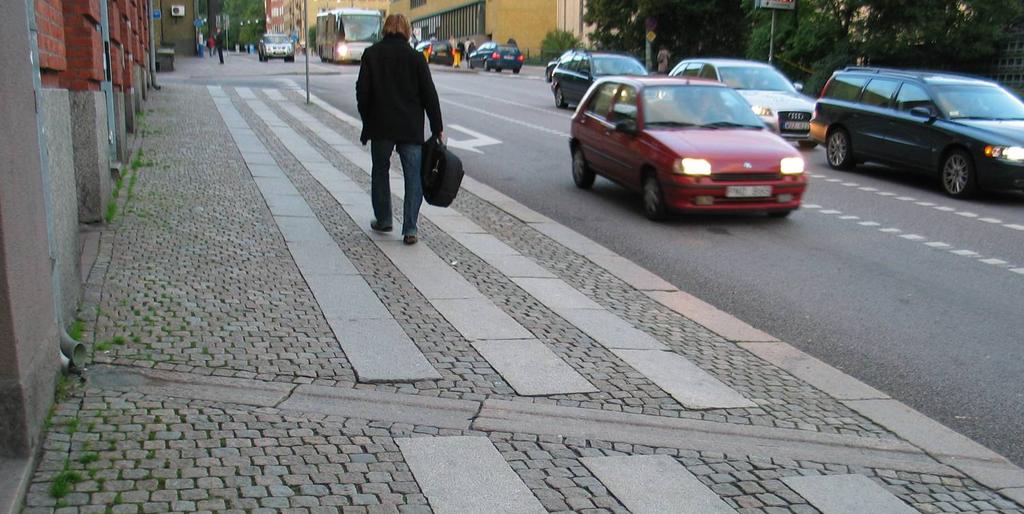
x: 686, y: 27
x: 556, y: 42
x: 823, y: 35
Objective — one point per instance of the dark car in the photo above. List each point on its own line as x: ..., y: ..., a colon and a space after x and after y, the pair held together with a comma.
x: 966, y: 131
x: 565, y: 57
x: 686, y: 145
x: 571, y: 79
x: 274, y: 46
x: 440, y: 52
x: 492, y: 56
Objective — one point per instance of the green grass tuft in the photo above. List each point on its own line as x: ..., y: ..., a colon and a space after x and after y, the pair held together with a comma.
x: 76, y: 330
x: 88, y: 458
x: 103, y: 346
x: 63, y: 482
x: 111, y: 211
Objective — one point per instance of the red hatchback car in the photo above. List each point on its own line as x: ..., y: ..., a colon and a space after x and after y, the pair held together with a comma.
x: 687, y: 144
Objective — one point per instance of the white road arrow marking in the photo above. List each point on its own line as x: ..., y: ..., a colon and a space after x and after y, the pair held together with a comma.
x: 471, y: 144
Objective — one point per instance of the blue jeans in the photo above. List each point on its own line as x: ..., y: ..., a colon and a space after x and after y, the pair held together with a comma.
x: 380, y: 188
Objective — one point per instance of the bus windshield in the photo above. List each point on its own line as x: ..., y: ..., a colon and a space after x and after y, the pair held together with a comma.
x: 360, y: 27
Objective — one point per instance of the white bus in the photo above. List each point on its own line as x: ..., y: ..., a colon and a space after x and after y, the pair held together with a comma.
x: 343, y: 34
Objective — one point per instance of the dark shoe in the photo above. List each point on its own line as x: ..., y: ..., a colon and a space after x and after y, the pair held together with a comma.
x: 409, y: 240
x: 380, y: 228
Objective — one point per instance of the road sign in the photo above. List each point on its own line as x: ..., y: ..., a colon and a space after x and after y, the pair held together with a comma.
x: 156, y: 14
x: 198, y: 23
x: 651, y: 35
x: 788, y: 5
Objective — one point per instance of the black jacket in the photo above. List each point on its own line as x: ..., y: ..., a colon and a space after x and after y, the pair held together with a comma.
x: 393, y: 90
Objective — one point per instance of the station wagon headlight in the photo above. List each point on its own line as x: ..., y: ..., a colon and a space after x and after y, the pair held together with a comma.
x: 1007, y: 153
x: 791, y: 166
x: 763, y: 111
x: 694, y: 167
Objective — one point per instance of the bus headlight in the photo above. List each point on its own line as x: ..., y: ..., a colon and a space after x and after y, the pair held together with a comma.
x: 343, y: 49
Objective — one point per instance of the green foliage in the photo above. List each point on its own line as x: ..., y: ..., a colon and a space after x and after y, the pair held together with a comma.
x: 245, y: 11
x: 556, y: 42
x: 88, y: 458
x: 823, y: 35
x: 111, y: 211
x: 311, y: 37
x: 63, y: 482
x: 104, y: 346
x: 76, y: 330
x: 685, y: 28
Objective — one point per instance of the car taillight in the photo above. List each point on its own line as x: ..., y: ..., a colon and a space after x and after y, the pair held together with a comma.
x: 495, y: 55
x: 521, y: 58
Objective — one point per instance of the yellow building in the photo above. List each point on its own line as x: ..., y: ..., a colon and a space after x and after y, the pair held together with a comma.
x: 526, y: 21
x: 292, y: 12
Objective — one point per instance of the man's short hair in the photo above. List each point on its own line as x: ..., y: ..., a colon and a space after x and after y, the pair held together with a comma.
x: 397, y: 24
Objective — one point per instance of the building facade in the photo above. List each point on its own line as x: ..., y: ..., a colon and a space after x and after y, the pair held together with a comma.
x: 275, y: 16
x: 525, y: 21
x: 569, y: 17
x: 1009, y: 66
x: 176, y: 26
x: 76, y: 73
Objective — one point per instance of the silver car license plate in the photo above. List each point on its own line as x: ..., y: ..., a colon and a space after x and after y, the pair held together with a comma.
x: 747, y: 191
x: 796, y: 125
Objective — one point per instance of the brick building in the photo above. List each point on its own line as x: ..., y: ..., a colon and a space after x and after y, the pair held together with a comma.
x: 275, y: 16
x: 75, y: 74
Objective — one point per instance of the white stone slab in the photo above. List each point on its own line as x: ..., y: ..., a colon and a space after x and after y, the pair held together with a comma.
x: 276, y: 186
x: 483, y: 244
x: 267, y: 171
x: 251, y: 158
x: 655, y: 484
x: 433, y: 277
x: 346, y: 297
x: 315, y: 258
x: 289, y: 205
x: 302, y: 229
x: 531, y: 368
x: 466, y: 475
x: 571, y: 239
x: 479, y: 318
x: 691, y: 386
x: 517, y: 266
x: 610, y: 330
x: 380, y: 351
x: 555, y: 294
x: 632, y: 274
x: 457, y: 224
x: 847, y: 494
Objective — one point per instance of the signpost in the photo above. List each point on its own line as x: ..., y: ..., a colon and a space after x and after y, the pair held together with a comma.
x: 775, y: 5
x: 156, y: 14
x: 651, y: 24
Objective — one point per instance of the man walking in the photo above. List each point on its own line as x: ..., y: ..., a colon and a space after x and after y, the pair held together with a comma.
x: 220, y: 42
x: 663, y: 57
x: 393, y: 90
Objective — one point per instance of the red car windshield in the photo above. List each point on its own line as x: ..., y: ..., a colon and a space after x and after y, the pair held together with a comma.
x: 697, y: 106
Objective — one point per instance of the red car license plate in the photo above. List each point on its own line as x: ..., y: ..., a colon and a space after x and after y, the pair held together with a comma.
x: 747, y: 191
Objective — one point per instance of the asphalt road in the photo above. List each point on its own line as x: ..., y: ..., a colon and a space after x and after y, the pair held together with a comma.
x: 880, y: 275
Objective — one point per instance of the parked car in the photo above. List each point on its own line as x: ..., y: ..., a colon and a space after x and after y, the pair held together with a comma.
x: 777, y: 101
x: 571, y: 79
x: 492, y: 56
x: 966, y: 131
x: 276, y: 46
x: 565, y: 57
x: 440, y: 52
x: 686, y: 144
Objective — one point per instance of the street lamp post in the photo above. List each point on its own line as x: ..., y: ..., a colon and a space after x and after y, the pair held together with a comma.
x: 305, y: 16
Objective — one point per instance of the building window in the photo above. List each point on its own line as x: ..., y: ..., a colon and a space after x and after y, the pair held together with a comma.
x: 462, y: 22
x: 417, y: 3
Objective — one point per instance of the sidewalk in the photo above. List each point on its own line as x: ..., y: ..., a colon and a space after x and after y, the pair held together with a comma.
x: 258, y: 349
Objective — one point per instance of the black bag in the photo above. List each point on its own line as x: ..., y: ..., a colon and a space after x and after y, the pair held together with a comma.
x: 441, y: 173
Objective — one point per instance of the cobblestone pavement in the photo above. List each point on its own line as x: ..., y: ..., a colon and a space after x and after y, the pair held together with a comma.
x: 195, y: 277
x: 139, y: 453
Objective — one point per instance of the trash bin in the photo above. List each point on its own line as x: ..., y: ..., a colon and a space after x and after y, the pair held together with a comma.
x: 200, y: 47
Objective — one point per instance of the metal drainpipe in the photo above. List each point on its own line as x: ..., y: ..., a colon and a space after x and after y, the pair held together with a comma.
x: 152, y: 47
x: 72, y: 353
x: 107, y: 86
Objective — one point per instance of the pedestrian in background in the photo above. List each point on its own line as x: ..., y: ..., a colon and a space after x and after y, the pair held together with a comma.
x: 663, y: 57
x: 470, y: 47
x: 210, y: 43
x: 460, y: 52
x: 393, y: 91
x: 220, y: 42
